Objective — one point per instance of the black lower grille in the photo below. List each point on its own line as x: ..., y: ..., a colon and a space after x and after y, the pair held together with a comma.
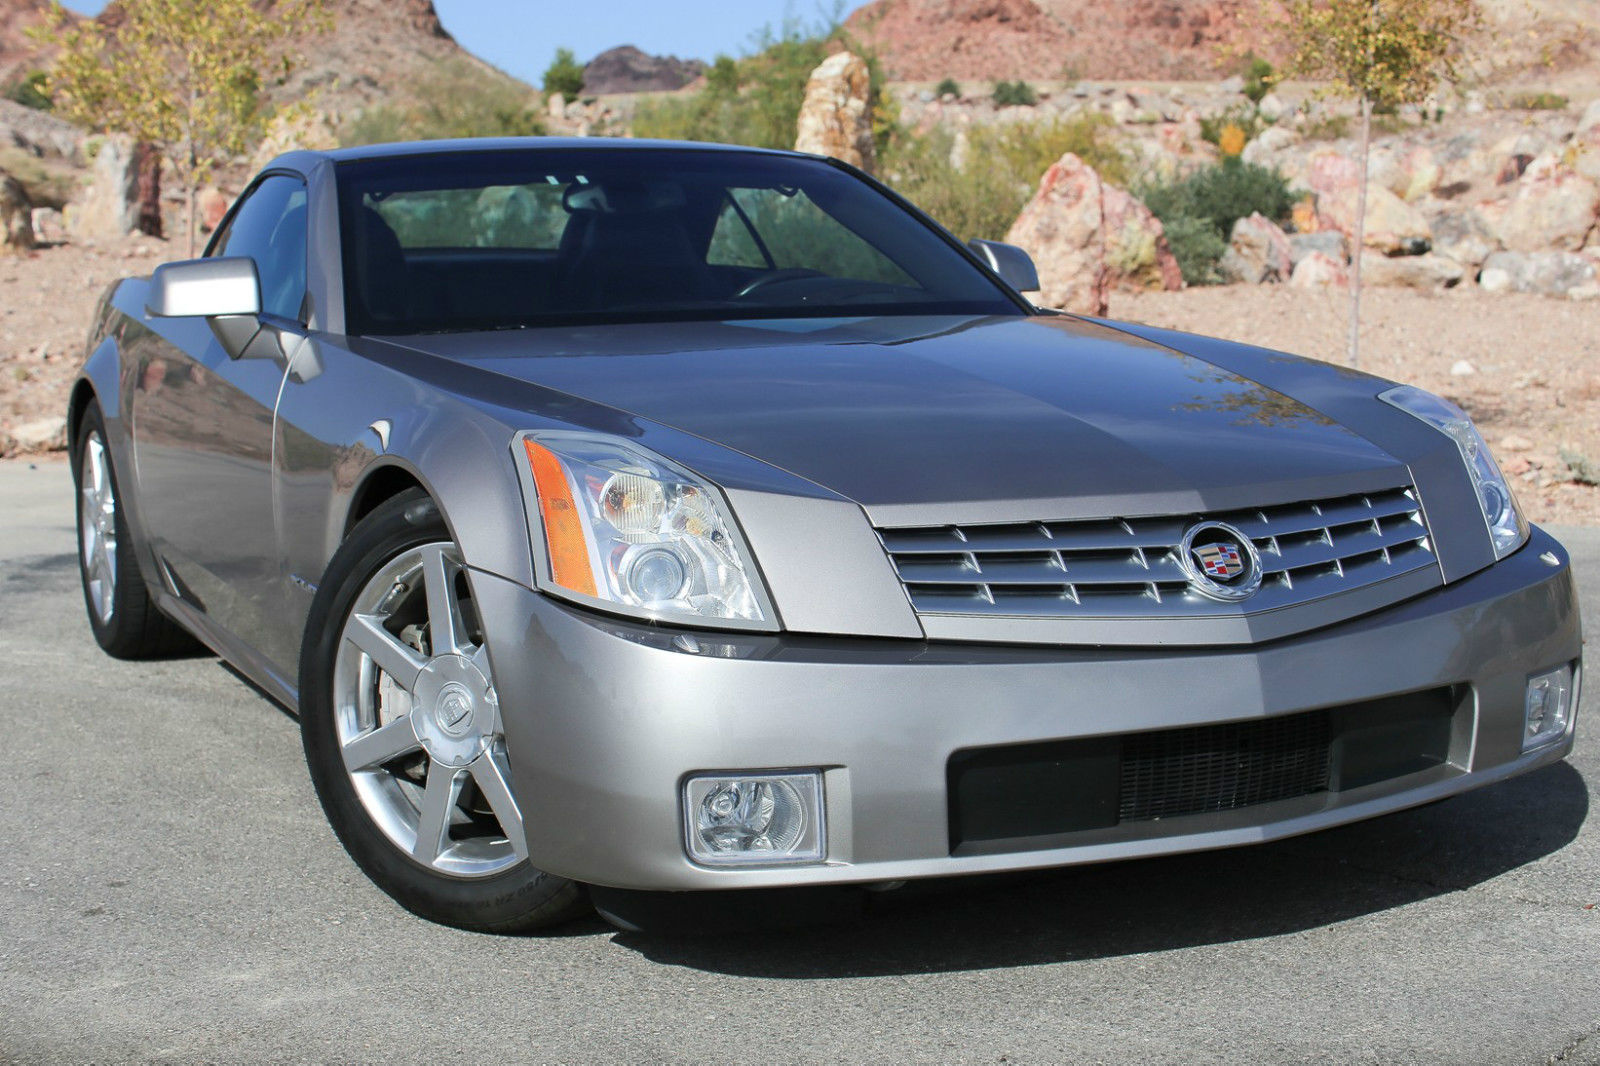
x: 1032, y: 795
x: 1222, y: 767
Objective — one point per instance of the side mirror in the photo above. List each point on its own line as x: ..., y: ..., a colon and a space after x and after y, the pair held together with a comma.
x: 1013, y: 265
x: 205, y: 288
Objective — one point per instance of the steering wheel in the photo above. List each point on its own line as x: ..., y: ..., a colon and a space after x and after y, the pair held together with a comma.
x: 777, y: 277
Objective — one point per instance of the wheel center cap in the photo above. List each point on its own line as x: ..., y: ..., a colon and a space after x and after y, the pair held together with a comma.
x: 454, y: 709
x: 454, y: 715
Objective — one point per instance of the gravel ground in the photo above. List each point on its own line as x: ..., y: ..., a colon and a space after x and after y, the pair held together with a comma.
x: 1534, y: 385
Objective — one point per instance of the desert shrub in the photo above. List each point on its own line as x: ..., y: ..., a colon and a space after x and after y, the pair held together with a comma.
x: 948, y: 87
x: 1211, y: 200
x: 564, y: 75
x: 1538, y: 102
x: 1243, y: 116
x: 756, y: 100
x: 31, y: 90
x: 979, y: 190
x: 1014, y: 94
x: 453, y: 99
x: 1258, y: 78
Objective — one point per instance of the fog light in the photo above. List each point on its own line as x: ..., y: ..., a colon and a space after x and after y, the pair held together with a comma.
x: 754, y: 818
x: 1548, y: 710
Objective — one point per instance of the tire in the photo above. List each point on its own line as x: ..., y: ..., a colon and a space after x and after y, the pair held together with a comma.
x: 402, y: 733
x: 125, y: 620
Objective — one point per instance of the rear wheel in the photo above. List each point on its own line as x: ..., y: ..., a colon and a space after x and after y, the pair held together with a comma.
x: 403, y: 736
x: 125, y: 621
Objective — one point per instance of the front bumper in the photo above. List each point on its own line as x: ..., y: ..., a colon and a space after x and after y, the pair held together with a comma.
x: 604, y: 719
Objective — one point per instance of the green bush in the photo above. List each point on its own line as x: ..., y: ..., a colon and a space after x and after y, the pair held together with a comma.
x: 564, y: 75
x: 31, y: 91
x: 1211, y: 200
x: 756, y: 100
x: 948, y: 87
x: 453, y: 99
x: 1258, y: 78
x: 1014, y: 94
x: 1539, y: 102
x: 980, y: 194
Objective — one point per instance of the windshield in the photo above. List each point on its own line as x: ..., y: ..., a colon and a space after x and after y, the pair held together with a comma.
x: 529, y: 237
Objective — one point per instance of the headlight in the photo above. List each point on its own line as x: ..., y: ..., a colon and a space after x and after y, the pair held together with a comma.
x: 619, y: 527
x: 1507, y: 528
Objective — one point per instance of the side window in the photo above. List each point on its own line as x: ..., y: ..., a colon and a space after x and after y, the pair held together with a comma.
x: 270, y: 227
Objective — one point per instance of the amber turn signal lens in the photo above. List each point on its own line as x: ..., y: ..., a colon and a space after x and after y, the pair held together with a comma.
x: 563, y: 526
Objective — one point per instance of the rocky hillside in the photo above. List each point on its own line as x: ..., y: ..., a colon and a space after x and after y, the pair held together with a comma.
x: 626, y: 69
x: 18, y: 53
x: 926, y: 40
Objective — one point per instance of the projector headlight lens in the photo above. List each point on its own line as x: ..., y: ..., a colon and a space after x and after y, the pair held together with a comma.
x: 620, y: 527
x: 754, y: 818
x: 1508, y: 529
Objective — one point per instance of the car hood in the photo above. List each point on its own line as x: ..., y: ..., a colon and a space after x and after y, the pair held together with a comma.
x: 955, y: 419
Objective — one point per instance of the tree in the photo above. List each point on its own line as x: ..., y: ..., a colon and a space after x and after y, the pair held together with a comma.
x: 182, y: 75
x: 1384, y: 53
x: 564, y: 75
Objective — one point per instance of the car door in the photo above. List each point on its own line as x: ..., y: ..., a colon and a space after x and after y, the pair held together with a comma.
x: 203, y: 429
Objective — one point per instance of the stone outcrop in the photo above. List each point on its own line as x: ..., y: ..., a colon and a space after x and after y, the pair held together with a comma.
x: 1088, y: 237
x: 1425, y: 272
x: 1545, y: 273
x: 1258, y: 251
x: 629, y: 70
x: 836, y: 116
x: 1555, y: 208
x: 1464, y: 236
x: 110, y: 205
x: 1317, y: 270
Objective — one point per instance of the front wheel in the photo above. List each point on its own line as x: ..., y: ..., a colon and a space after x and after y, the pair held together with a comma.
x: 402, y: 731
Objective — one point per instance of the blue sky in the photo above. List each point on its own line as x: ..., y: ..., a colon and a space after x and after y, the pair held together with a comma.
x: 521, y: 36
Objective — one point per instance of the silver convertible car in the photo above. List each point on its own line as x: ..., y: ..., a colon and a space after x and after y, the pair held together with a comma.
x: 674, y: 518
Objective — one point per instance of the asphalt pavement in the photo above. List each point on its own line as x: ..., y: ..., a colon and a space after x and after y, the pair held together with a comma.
x: 169, y: 891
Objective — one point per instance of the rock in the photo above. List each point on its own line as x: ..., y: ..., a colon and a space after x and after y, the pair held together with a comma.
x: 16, y: 217
x: 1258, y: 251
x: 1393, y: 226
x: 1554, y: 207
x: 1425, y: 272
x: 1317, y: 270
x: 1330, y: 243
x: 1087, y: 237
x: 1514, y: 443
x: 556, y: 106
x: 1465, y: 236
x: 211, y: 206
x: 626, y: 69
x: 110, y: 207
x: 1411, y: 173
x: 836, y: 117
x: 1586, y: 142
x: 45, y: 434
x: 48, y: 225
x: 1462, y: 369
x: 1234, y: 84
x: 1565, y: 274
x: 1271, y: 107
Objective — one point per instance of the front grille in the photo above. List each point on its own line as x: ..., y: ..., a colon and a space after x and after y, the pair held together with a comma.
x: 1037, y: 795
x: 1222, y: 767
x: 1130, y: 568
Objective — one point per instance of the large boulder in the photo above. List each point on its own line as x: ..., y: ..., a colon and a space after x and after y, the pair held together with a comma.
x: 1317, y: 270
x: 1393, y: 226
x: 1088, y: 237
x: 1555, y: 208
x: 1463, y: 235
x: 16, y: 217
x: 110, y: 206
x: 1424, y: 272
x: 1586, y: 142
x: 1543, y: 273
x: 1409, y: 172
x: 1258, y: 251
x: 836, y: 116
x: 1330, y: 243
